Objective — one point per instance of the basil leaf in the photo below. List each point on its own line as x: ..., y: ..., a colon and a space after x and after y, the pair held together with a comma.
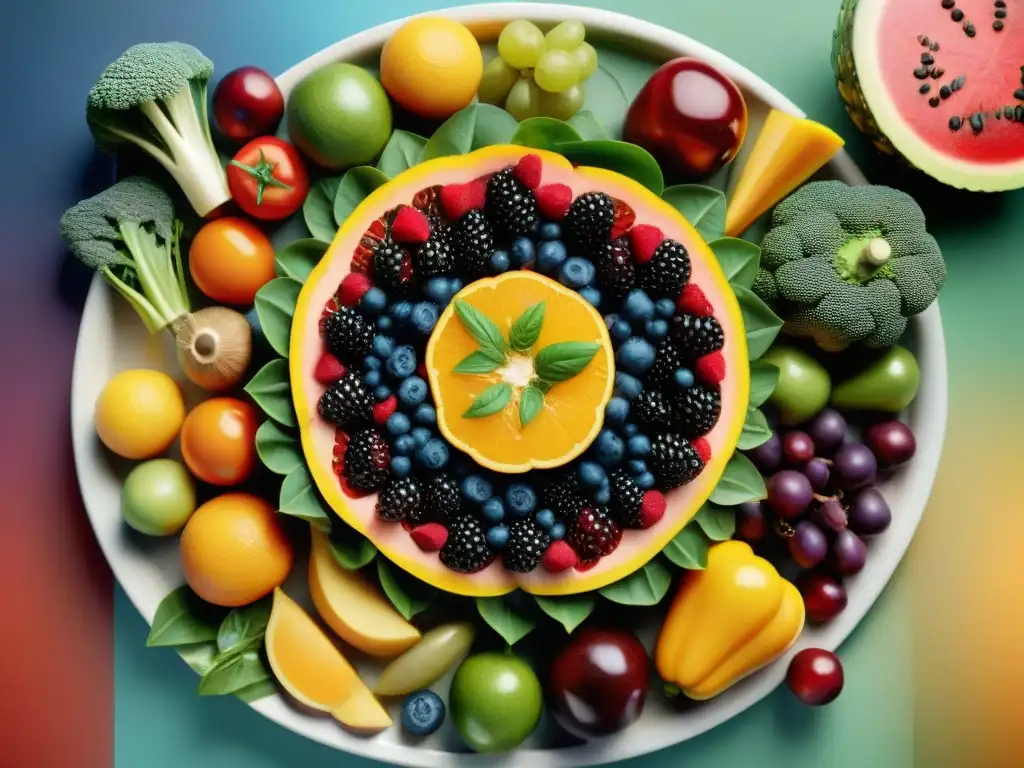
x: 703, y: 207
x: 544, y: 133
x: 478, y: 362
x: 761, y: 324
x: 243, y: 629
x: 401, y: 153
x: 646, y: 586
x: 198, y: 656
x: 409, y: 596
x: 356, y: 185
x: 233, y: 673
x: 588, y: 126
x: 481, y: 328
x: 275, y: 305
x: 739, y: 259
x: 755, y: 431
x: 271, y: 390
x: 526, y: 329
x: 565, y: 359
x: 569, y: 611
x: 299, y: 258
x: 739, y: 483
x: 718, y: 523
x: 689, y: 549
x: 350, y: 549
x: 531, y: 403
x: 490, y: 401
x: 182, y: 618
x: 279, y: 451
x: 318, y: 209
x: 763, y: 378
x: 627, y: 159
x: 493, y: 126
x: 512, y: 626
x: 255, y: 691
x: 454, y: 137
x: 299, y: 498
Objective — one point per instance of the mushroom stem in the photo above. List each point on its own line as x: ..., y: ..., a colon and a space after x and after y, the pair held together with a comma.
x: 876, y: 252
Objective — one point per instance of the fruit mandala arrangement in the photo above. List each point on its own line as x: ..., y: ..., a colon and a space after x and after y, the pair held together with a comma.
x: 510, y: 377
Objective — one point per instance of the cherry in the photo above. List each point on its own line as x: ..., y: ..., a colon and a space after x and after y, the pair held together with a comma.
x: 797, y: 447
x: 815, y: 676
x: 247, y: 103
x: 824, y: 597
x: 892, y: 442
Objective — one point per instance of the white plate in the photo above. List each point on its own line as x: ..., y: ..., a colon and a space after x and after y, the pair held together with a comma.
x: 112, y: 339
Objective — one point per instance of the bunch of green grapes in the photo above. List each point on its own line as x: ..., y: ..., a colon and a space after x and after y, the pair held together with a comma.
x: 537, y: 74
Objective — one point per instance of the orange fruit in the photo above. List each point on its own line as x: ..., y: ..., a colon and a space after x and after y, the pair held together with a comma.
x: 572, y: 411
x: 233, y: 550
x: 218, y: 440
x: 139, y: 413
x: 230, y: 259
x: 432, y: 66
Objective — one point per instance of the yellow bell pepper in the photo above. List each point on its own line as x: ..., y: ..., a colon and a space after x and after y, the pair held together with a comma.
x: 727, y: 621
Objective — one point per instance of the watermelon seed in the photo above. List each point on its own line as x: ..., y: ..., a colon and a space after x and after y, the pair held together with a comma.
x: 955, y: 123
x: 957, y: 84
x: 937, y: 73
x: 923, y: 40
x: 921, y: 73
x: 927, y: 58
x: 997, y: 26
x: 998, y: 114
x: 947, y: 4
x: 1001, y: 13
x: 1019, y: 94
x: 945, y: 92
x: 1018, y: 114
x: 935, y: 46
x: 1000, y: 3
x: 977, y: 122
x: 924, y: 88
x: 969, y: 29
x: 957, y: 15
x: 933, y: 101
x: 1008, y: 113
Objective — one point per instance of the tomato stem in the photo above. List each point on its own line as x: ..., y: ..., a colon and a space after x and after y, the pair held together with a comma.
x: 263, y: 172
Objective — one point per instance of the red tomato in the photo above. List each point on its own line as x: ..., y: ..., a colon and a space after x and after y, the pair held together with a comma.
x: 268, y: 179
x: 247, y: 103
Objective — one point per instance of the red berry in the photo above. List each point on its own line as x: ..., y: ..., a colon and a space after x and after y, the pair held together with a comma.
x: 824, y: 597
x: 711, y: 368
x: 429, y: 537
x: 553, y: 201
x: 559, y: 557
x: 652, y: 508
x: 329, y: 369
x: 624, y: 218
x: 459, y: 199
x: 410, y: 226
x: 644, y: 241
x: 703, y: 449
x: 692, y: 301
x: 353, y: 288
x: 382, y: 411
x: 528, y: 171
x: 815, y: 676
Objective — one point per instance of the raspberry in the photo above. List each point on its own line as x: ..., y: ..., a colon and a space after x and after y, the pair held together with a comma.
x: 697, y: 336
x: 456, y: 200
x: 398, y: 499
x: 615, y: 268
x: 526, y: 546
x: 589, y: 222
x: 429, y: 537
x: 410, y: 226
x: 594, y: 534
x: 697, y: 411
x: 711, y: 368
x: 692, y: 301
x: 329, y: 369
x: 559, y: 557
x: 348, y: 334
x: 510, y: 204
x: 553, y: 201
x: 668, y: 271
x: 474, y: 243
x: 652, y: 509
x: 703, y: 449
x: 366, y: 461
x: 382, y: 411
x: 346, y: 402
x: 644, y: 240
x: 528, y: 171
x: 674, y: 461
x: 353, y: 287
x: 466, y: 549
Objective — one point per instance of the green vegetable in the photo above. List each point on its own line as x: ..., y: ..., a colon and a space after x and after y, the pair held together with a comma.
x: 129, y: 235
x: 154, y: 96
x: 846, y: 264
x: 426, y: 662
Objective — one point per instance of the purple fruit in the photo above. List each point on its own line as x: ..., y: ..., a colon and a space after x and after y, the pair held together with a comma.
x: 767, y: 457
x: 827, y: 430
x: 789, y: 493
x: 854, y: 465
x: 848, y: 553
x: 808, y: 545
x: 892, y: 442
x: 831, y: 514
x: 869, y: 514
x: 797, y: 448
x: 818, y: 471
x: 751, y: 524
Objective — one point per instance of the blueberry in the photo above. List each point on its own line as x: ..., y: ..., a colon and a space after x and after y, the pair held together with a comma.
x: 384, y: 323
x: 665, y: 308
x: 398, y: 424
x: 592, y: 296
x: 550, y: 256
x: 603, y: 495
x: 493, y: 510
x: 616, y: 411
x: 550, y: 230
x: 424, y: 317
x: 383, y: 346
x: 401, y: 466
x: 497, y: 537
x: 645, y: 481
x: 545, y: 518
x: 620, y: 331
x: 683, y: 378
x: 638, y: 305
x: 521, y: 499
x: 401, y: 311
x: 576, y: 273
x: 609, y: 448
x: 438, y: 290
x: 591, y: 474
x: 421, y: 436
x: 499, y: 262
x: 412, y: 392
x: 374, y: 301
x: 656, y: 329
x: 382, y: 393
x: 402, y: 362
x: 557, y: 531
x: 630, y: 429
x: 433, y: 455
x: 454, y: 286
x: 639, y: 445
x: 422, y: 713
x: 627, y: 386
x: 475, y: 488
x: 426, y: 415
x: 372, y: 379
x: 404, y: 445
x: 522, y: 251
x: 637, y: 467
x: 371, y: 363
x: 636, y: 356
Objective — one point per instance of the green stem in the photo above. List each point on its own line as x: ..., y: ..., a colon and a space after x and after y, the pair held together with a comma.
x: 263, y: 172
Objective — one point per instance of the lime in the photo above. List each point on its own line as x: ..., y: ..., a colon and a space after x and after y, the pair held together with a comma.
x: 158, y: 497
x: 495, y: 701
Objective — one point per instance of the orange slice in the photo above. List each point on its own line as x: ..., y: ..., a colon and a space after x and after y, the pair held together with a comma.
x: 573, y: 410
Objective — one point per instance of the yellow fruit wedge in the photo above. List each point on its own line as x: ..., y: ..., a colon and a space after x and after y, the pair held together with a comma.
x: 354, y: 608
x: 314, y: 672
x: 789, y: 150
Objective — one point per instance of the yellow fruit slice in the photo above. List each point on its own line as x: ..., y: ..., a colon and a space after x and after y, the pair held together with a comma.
x: 573, y: 410
x: 355, y: 609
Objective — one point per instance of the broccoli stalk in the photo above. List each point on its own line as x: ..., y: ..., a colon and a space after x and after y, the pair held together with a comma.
x: 154, y: 96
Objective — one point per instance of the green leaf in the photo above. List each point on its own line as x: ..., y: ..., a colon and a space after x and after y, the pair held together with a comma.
x: 627, y: 159
x: 243, y: 629
x: 489, y: 402
x: 183, y: 619
x: 256, y: 691
x: 279, y: 451
x: 409, y: 596
x: 454, y: 137
x: 718, y: 523
x: 198, y: 656
x: 739, y: 259
x: 588, y: 126
x: 755, y: 430
x: 401, y: 153
x: 318, y: 209
x: 531, y: 403
x: 646, y: 586
x: 271, y: 390
x: 564, y: 359
x: 526, y: 329
x: 299, y: 498
x: 483, y: 330
x: 763, y: 378
x: 761, y: 324
x: 493, y: 126
x: 356, y: 185
x: 544, y: 133
x: 233, y: 673
x: 350, y: 549
x: 477, y: 363
x: 703, y: 207
x: 512, y: 626
x: 299, y: 258
x: 275, y: 305
x: 739, y: 483
x: 689, y: 549
x: 569, y: 611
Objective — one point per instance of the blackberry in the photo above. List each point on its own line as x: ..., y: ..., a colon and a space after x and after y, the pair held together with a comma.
x: 441, y: 500
x: 666, y: 362
x: 589, y: 222
x: 349, y: 335
x: 594, y: 534
x: 392, y: 266
x: 466, y: 548
x: 510, y: 204
x: 627, y: 497
x: 437, y: 255
x: 347, y: 402
x: 668, y: 271
x: 616, y: 270
x: 527, y: 544
x: 399, y: 500
x: 366, y: 460
x: 563, y: 497
x: 674, y: 461
x: 697, y: 411
x: 653, y: 409
x: 697, y: 336
x: 473, y: 243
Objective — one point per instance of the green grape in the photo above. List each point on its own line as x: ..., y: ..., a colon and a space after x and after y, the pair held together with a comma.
x: 586, y: 60
x: 564, y: 105
x: 566, y: 36
x: 521, y: 44
x: 557, y: 71
x: 497, y: 81
x: 523, y: 99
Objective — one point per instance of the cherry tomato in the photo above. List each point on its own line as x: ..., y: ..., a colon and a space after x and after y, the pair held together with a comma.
x: 247, y: 103
x: 218, y: 441
x: 815, y: 676
x: 230, y: 259
x: 268, y: 179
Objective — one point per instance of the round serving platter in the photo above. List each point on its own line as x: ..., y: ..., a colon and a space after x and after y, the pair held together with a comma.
x: 111, y: 339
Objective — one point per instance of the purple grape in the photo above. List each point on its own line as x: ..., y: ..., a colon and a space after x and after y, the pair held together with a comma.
x: 827, y: 430
x: 831, y: 514
x: 818, y: 472
x: 808, y: 545
x: 797, y: 448
x: 768, y: 456
x: 892, y: 442
x: 869, y: 513
x: 854, y: 465
x: 789, y: 493
x: 848, y: 553
x: 751, y: 524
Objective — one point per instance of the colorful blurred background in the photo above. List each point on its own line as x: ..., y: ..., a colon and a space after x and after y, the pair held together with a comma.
x: 934, y: 673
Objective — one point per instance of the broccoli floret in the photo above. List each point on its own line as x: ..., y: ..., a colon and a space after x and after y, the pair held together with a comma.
x: 844, y: 264
x: 129, y: 234
x: 154, y: 96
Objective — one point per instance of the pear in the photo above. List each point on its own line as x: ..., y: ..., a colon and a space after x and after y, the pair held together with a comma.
x: 889, y: 384
x: 803, y: 387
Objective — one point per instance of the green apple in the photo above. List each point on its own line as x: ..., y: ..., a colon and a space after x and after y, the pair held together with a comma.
x: 889, y: 384
x: 158, y: 497
x: 495, y: 701
x: 804, y: 384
